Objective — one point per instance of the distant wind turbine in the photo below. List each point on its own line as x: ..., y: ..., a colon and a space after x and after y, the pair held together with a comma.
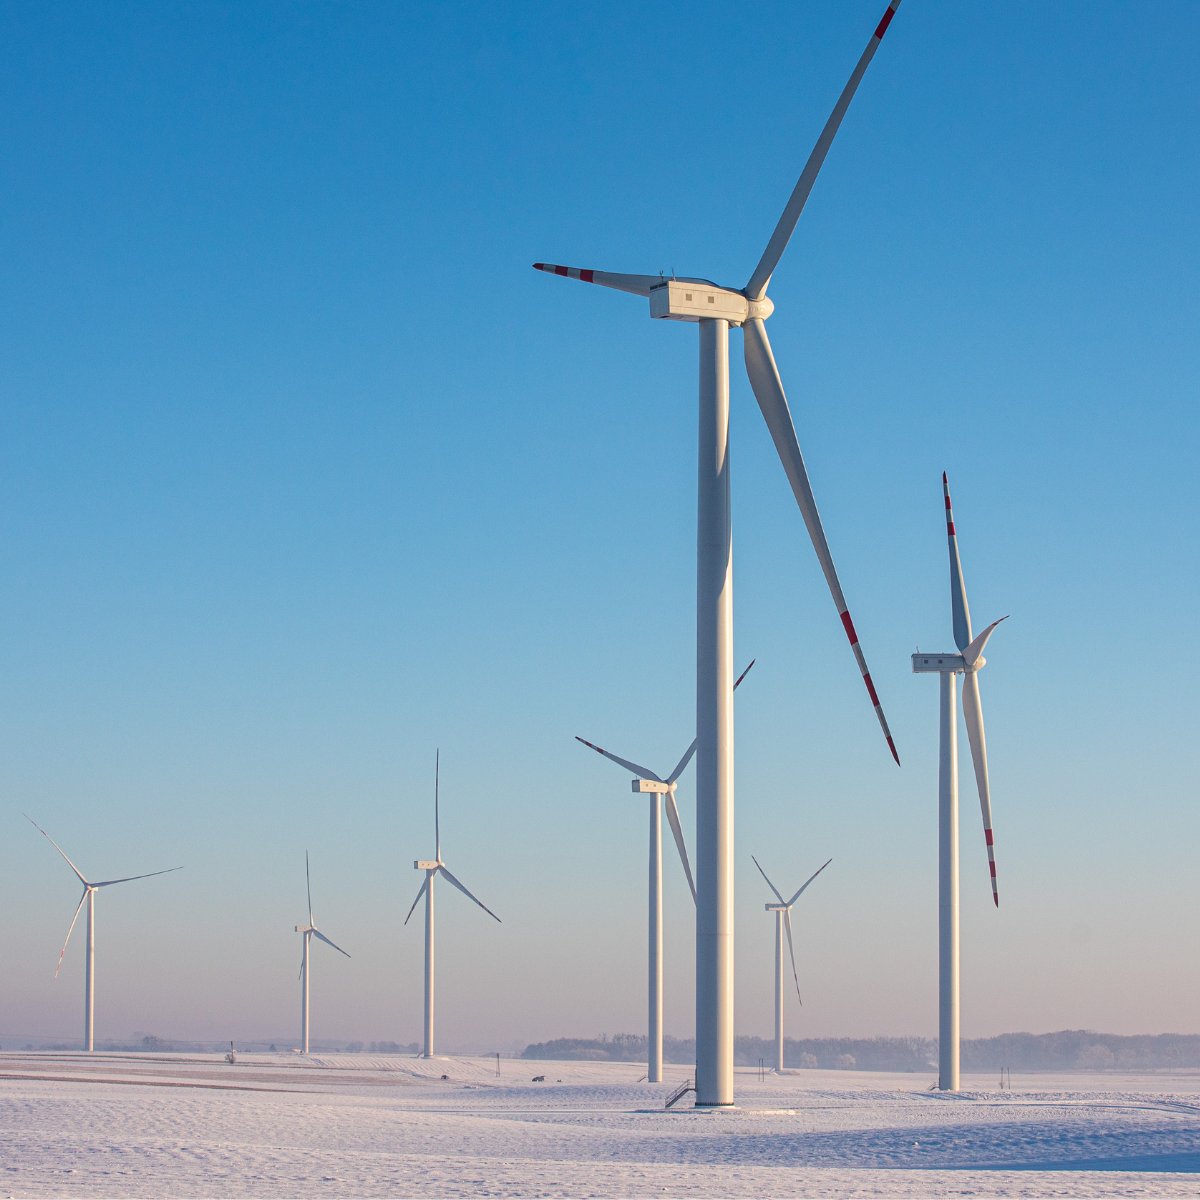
x: 647, y: 781
x: 89, y: 894
x: 968, y: 663
x: 432, y: 869
x: 310, y: 931
x: 783, y: 921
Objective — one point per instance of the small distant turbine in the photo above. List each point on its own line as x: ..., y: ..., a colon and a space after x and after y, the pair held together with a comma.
x: 783, y: 921
x: 89, y: 894
x: 431, y: 869
x: 648, y: 782
x: 310, y: 931
x: 968, y: 663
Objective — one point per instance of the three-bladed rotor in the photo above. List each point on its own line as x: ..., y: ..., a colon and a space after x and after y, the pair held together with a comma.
x: 968, y: 662
x: 310, y: 930
x: 785, y: 907
x: 648, y: 781
x: 436, y: 866
x: 693, y: 299
x: 87, y: 886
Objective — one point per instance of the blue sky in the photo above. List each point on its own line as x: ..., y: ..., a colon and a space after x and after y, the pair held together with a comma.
x: 304, y: 472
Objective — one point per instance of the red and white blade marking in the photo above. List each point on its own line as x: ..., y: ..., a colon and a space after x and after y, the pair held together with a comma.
x: 636, y: 285
x: 973, y: 719
x: 768, y: 390
x: 848, y: 625
x: 959, y: 609
x: 757, y: 287
x: 640, y: 771
x: 569, y: 272
x: 881, y: 28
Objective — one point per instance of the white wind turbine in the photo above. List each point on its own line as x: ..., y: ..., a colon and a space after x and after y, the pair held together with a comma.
x: 968, y: 663
x: 716, y: 308
x: 432, y: 869
x: 89, y: 894
x: 783, y: 921
x: 647, y: 781
x: 310, y: 931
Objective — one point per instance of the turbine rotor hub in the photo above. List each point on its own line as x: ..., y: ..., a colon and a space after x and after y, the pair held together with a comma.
x: 761, y: 309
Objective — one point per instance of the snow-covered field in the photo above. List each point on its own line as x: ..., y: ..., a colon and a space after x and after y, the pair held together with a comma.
x: 353, y: 1125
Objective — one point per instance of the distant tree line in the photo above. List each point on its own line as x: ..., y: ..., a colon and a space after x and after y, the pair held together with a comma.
x: 1068, y: 1050
x: 1074, y: 1049
x: 846, y: 1054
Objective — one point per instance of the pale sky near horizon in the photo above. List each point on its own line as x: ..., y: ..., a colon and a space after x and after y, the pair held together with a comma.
x: 305, y: 473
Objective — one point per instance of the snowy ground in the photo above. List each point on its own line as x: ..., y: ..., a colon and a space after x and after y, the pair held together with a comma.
x: 353, y: 1125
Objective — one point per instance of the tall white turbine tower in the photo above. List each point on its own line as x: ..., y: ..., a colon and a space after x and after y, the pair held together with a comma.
x: 89, y: 974
x: 431, y: 870
x: 310, y: 931
x: 783, y: 921
x: 648, y: 782
x: 967, y: 663
x: 716, y: 308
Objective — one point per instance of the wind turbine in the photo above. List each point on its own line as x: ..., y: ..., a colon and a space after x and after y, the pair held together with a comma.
x: 716, y: 308
x: 647, y: 781
x: 968, y: 662
x: 432, y: 869
x: 310, y: 931
x: 89, y: 894
x: 783, y: 920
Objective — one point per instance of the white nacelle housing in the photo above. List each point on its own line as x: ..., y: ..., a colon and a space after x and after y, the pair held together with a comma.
x: 650, y: 785
x: 938, y: 664
x: 421, y: 865
x: 678, y: 300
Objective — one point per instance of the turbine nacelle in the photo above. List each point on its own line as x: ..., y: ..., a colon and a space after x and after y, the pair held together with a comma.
x: 422, y: 865
x: 689, y: 300
x: 652, y: 785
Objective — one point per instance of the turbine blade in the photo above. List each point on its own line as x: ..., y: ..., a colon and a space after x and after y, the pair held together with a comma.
x: 807, y: 882
x: 70, y: 930
x: 973, y: 714
x: 417, y: 901
x: 637, y: 285
x: 681, y: 845
x: 131, y: 878
x: 768, y: 390
x: 757, y: 286
x: 308, y: 882
x: 640, y: 772
x: 437, y: 823
x: 958, y: 588
x: 974, y: 652
x: 318, y: 933
x: 787, y: 924
x: 57, y: 847
x: 687, y: 758
x: 681, y: 766
x: 769, y: 883
x: 468, y: 894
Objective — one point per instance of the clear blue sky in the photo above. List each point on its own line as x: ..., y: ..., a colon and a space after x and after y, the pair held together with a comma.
x: 304, y: 472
